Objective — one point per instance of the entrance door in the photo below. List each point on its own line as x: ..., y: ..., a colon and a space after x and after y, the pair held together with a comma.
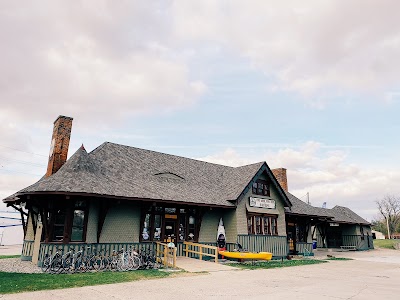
x: 291, y: 237
x: 170, y: 229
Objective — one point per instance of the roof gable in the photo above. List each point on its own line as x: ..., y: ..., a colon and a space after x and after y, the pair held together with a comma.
x: 263, y: 168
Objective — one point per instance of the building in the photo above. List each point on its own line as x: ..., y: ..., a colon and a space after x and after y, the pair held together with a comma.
x: 118, y: 195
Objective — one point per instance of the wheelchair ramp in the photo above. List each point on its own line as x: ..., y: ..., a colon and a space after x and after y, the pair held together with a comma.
x: 195, y: 265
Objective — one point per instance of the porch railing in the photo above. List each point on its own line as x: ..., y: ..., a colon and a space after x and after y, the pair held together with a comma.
x: 360, y: 242
x: 303, y: 248
x: 354, y: 240
x: 107, y: 248
x: 200, y: 250
x: 27, y: 250
x: 277, y: 245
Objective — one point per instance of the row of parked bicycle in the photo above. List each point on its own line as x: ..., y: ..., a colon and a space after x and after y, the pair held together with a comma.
x: 82, y: 261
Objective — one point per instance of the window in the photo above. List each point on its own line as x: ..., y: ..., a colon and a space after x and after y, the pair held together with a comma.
x: 68, y: 222
x: 162, y: 223
x: 362, y: 232
x: 261, y: 187
x: 58, y: 225
x: 261, y: 224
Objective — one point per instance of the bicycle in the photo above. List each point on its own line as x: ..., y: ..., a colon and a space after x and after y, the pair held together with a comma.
x: 50, y: 261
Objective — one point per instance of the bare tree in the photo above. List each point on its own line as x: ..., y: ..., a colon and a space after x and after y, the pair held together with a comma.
x: 389, y: 207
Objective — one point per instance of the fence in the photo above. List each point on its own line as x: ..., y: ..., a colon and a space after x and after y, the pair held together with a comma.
x: 302, y: 248
x: 27, y: 250
x: 360, y: 242
x: 277, y: 245
x: 107, y: 248
x: 200, y: 250
x: 166, y: 255
x: 357, y: 241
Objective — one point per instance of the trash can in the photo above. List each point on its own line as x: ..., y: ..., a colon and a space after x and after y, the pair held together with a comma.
x: 314, y: 244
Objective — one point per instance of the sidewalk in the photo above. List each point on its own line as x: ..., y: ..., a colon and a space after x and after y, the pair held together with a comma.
x: 10, y: 249
x: 381, y: 255
x: 195, y: 265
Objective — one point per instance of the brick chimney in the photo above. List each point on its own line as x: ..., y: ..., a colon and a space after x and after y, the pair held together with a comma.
x: 59, y: 144
x: 280, y: 175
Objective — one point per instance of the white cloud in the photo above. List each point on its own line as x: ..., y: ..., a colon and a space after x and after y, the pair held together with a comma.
x: 109, y: 59
x: 315, y: 48
x: 326, y: 175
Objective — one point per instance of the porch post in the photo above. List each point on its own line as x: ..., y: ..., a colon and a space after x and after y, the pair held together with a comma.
x: 36, y: 245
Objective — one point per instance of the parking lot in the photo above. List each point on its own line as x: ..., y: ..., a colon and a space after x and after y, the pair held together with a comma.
x: 371, y: 275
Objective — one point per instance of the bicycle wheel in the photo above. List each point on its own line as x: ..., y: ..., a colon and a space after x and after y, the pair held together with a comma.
x: 46, y: 264
x: 67, y: 265
x: 134, y: 263
x: 56, y: 265
x: 123, y: 263
x: 97, y: 263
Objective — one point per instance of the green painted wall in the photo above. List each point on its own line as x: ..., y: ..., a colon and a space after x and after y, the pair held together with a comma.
x: 91, y: 231
x: 209, y: 225
x: 122, y: 223
x: 230, y: 223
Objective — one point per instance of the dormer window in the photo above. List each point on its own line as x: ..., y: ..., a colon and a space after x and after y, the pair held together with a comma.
x: 261, y: 187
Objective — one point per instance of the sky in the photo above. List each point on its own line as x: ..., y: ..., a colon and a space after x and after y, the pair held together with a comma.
x: 310, y: 86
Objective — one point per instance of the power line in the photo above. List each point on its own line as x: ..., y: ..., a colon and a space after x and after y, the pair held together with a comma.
x: 23, y: 162
x: 9, y: 218
x: 23, y: 151
x: 6, y: 170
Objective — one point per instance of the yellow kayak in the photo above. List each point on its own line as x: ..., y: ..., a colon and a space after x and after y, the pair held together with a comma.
x: 247, y: 255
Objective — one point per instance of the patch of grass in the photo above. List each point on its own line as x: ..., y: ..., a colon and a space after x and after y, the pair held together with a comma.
x: 388, y: 244
x: 276, y: 264
x: 9, y: 256
x: 338, y: 258
x: 19, y: 282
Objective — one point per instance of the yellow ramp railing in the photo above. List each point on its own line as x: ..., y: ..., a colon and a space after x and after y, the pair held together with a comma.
x: 166, y: 255
x: 201, y: 250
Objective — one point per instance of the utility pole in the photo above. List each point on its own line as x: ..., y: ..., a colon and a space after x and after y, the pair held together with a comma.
x: 387, y: 224
x: 308, y: 198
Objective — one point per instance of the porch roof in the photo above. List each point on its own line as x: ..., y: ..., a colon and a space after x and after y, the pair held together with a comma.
x: 338, y: 214
x: 346, y: 215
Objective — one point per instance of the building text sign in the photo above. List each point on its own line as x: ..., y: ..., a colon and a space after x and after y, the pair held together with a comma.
x: 263, y: 203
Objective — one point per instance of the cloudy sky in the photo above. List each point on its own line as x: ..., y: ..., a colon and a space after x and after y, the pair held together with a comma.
x: 311, y: 86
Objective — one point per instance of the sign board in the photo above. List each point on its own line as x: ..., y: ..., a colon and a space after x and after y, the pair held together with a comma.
x: 168, y: 216
x: 333, y: 224
x: 261, y: 202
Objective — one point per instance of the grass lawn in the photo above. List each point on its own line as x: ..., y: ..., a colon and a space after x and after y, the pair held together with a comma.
x: 388, y: 244
x: 10, y: 256
x: 19, y: 282
x: 277, y: 264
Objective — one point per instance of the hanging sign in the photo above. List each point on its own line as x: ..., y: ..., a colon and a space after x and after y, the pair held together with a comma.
x: 261, y: 202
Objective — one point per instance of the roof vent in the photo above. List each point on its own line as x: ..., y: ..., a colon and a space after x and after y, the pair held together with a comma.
x: 169, y: 175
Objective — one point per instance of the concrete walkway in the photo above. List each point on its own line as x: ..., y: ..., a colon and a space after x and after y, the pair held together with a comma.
x: 10, y: 249
x: 195, y: 265
x: 353, y: 279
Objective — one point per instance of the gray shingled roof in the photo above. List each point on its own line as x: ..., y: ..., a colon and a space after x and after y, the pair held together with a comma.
x: 123, y: 171
x: 337, y: 214
x: 346, y: 215
x: 301, y: 208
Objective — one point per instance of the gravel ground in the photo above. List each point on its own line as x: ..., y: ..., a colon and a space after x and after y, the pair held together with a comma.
x: 17, y: 266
